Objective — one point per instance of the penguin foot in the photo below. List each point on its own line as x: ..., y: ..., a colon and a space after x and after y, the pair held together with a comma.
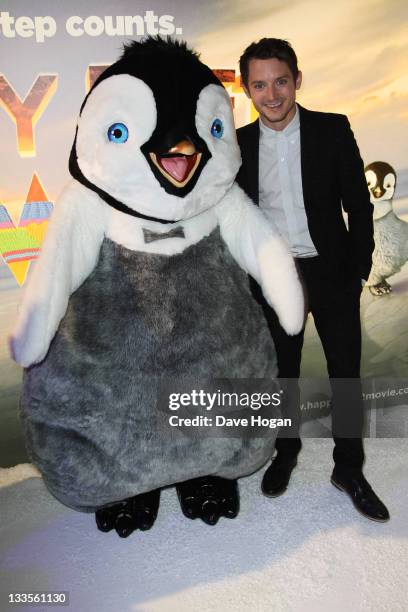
x: 137, y: 512
x: 209, y: 498
x: 382, y: 288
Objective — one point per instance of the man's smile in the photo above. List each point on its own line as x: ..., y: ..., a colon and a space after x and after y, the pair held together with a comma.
x: 273, y: 105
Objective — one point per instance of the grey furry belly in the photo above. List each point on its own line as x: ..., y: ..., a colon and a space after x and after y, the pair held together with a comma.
x: 90, y: 409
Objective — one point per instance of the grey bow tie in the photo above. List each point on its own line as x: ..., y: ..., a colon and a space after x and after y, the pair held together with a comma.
x: 150, y: 236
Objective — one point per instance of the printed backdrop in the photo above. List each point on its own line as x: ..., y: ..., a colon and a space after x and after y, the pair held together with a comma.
x: 352, y: 56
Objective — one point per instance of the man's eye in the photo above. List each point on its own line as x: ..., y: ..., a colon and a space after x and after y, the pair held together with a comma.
x: 258, y: 85
x: 282, y: 81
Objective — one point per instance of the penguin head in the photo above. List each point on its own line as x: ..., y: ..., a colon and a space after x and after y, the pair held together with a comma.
x: 156, y: 136
x: 381, y: 179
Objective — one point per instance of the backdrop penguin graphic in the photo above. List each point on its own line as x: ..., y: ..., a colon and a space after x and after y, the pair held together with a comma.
x: 143, y: 278
x: 390, y: 232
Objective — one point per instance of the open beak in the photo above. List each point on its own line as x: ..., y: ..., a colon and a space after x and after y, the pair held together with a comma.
x: 179, y: 163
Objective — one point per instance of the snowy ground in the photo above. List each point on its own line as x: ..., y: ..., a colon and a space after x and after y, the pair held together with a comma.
x: 307, y: 551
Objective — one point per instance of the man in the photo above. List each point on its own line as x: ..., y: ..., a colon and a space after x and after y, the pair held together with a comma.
x: 301, y: 167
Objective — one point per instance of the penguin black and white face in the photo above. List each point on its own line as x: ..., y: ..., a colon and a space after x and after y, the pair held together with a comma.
x: 165, y: 149
x: 381, y: 179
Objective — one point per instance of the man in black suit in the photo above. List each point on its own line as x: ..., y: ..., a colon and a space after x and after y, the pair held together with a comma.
x: 301, y: 167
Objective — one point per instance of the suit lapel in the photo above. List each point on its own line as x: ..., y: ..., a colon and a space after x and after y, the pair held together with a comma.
x: 307, y: 155
x: 252, y: 161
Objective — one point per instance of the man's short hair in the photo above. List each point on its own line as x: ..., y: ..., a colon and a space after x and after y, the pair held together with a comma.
x: 268, y: 48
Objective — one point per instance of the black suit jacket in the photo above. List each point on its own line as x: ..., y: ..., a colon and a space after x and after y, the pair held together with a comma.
x: 332, y: 176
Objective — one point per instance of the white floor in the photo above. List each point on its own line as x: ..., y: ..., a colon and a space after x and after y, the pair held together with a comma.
x: 307, y: 551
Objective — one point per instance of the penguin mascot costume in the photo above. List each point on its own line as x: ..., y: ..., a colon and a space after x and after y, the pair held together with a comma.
x: 143, y: 277
x: 390, y: 232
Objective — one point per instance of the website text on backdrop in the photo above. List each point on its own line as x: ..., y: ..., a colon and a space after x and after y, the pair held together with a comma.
x: 301, y: 167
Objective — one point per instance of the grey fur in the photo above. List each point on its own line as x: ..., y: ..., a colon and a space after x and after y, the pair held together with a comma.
x: 89, y: 409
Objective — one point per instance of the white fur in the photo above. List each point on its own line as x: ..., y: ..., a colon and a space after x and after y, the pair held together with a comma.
x: 258, y: 249
x: 68, y: 255
x: 122, y: 170
x: 128, y: 231
x: 381, y: 208
x: 281, y: 285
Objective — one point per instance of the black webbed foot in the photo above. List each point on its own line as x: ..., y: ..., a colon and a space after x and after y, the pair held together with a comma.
x: 137, y: 512
x: 209, y: 498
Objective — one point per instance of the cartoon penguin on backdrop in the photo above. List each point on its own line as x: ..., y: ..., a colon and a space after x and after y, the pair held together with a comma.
x: 143, y: 277
x: 390, y: 232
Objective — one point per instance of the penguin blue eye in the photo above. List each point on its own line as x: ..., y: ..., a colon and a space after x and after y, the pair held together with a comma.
x: 118, y: 133
x: 217, y: 128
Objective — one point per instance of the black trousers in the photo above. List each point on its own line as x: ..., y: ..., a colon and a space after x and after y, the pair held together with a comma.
x: 336, y: 312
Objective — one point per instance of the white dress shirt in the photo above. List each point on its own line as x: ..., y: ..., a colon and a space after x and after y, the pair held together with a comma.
x: 280, y: 185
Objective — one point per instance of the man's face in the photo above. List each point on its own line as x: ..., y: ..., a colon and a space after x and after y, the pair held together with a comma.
x: 272, y: 90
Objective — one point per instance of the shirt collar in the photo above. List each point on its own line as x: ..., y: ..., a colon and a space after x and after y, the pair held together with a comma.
x: 289, y: 130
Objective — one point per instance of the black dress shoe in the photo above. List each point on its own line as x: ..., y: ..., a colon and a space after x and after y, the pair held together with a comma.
x: 276, y: 478
x: 361, y: 494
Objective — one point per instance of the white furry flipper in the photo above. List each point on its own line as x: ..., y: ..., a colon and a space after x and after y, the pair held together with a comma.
x: 260, y: 251
x: 68, y: 255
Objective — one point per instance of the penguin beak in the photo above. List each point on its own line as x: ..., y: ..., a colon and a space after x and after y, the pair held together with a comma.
x: 179, y: 163
x: 378, y: 192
